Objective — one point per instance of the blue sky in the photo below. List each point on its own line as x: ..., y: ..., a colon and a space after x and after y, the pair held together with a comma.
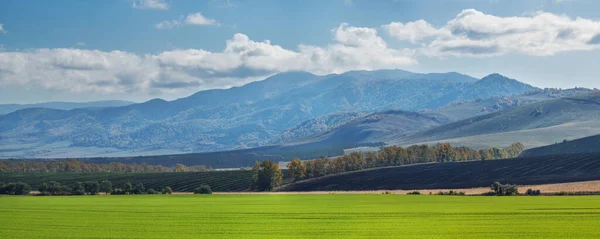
x: 143, y: 49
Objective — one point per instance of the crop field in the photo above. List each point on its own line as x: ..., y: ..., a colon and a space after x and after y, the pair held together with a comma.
x: 220, y: 181
x: 534, y: 170
x: 299, y: 216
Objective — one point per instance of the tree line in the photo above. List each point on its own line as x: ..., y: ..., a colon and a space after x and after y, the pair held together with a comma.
x: 54, y: 188
x: 396, y: 156
x: 77, y: 166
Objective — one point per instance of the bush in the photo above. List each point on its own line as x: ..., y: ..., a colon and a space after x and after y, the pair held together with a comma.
x: 414, y: 193
x: 203, y: 189
x: 152, y: 191
x: 118, y: 191
x: 532, y: 192
x: 387, y: 192
x: 167, y: 190
x: 499, y: 189
x: 451, y: 193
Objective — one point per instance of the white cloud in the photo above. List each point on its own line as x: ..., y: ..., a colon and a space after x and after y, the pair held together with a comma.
x: 191, y: 19
x: 241, y: 61
x: 411, y: 31
x: 2, y: 31
x: 473, y: 33
x: 80, y: 43
x: 168, y: 24
x: 198, y: 19
x: 150, y: 4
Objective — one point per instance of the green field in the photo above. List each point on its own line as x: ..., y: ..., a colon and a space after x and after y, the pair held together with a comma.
x: 299, y: 216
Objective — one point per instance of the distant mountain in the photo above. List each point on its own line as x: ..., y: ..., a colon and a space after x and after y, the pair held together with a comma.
x: 237, y: 118
x: 373, y: 128
x: 537, y: 124
x: 8, y: 108
x: 578, y: 146
x: 391, y: 126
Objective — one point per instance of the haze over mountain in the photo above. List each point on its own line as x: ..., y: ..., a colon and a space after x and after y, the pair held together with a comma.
x: 8, y: 108
x: 538, y: 124
x: 236, y: 118
x: 392, y: 126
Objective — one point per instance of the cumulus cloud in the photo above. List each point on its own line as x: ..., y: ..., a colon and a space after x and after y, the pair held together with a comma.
x: 198, y: 19
x: 242, y: 60
x: 150, y: 4
x: 2, y: 31
x: 411, y: 31
x: 191, y: 19
x: 473, y: 33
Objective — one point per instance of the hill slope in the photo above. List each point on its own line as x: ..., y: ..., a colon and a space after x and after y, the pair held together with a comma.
x: 236, y: 118
x: 584, y: 145
x: 536, y: 170
x: 536, y: 124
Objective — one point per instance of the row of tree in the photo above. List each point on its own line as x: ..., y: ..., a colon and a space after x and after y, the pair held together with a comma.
x: 72, y: 165
x: 395, y: 156
x: 19, y: 188
x: 53, y: 188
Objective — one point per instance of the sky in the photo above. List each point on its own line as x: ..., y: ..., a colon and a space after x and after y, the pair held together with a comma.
x: 143, y: 49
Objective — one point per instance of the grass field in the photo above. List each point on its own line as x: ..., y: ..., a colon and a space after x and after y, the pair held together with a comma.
x: 299, y: 216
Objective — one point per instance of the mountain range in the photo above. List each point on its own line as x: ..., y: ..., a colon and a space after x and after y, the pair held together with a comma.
x: 8, y: 108
x: 271, y: 111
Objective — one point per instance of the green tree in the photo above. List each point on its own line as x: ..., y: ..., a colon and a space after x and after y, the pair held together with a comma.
x: 139, y: 189
x: 167, y: 190
x: 266, y: 176
x: 127, y: 188
x: 106, y: 187
x: 203, y: 189
x: 91, y: 187
x: 444, y: 153
x: 297, y: 169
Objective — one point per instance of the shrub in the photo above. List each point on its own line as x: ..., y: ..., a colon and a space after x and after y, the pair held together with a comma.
x: 532, y: 192
x: 499, y: 189
x: 414, y: 193
x: 167, y: 190
x: 152, y: 191
x: 203, y: 189
x: 387, y: 192
x: 451, y: 193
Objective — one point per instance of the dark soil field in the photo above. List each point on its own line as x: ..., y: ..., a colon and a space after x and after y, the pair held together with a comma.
x: 537, y: 170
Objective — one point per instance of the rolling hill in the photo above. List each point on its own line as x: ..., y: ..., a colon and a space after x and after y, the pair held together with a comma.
x: 578, y: 146
x: 387, y: 127
x: 237, y: 118
x: 522, y: 171
x: 542, y: 123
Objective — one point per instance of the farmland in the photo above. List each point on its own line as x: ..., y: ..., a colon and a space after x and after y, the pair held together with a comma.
x: 534, y: 170
x: 299, y: 216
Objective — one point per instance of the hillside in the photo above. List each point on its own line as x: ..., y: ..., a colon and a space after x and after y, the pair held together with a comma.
x: 536, y: 124
x: 584, y: 145
x: 531, y: 170
x: 236, y: 118
x: 8, y: 108
x: 372, y: 128
x: 392, y: 125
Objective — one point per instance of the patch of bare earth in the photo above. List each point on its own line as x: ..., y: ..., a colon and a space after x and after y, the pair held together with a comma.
x: 587, y: 186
